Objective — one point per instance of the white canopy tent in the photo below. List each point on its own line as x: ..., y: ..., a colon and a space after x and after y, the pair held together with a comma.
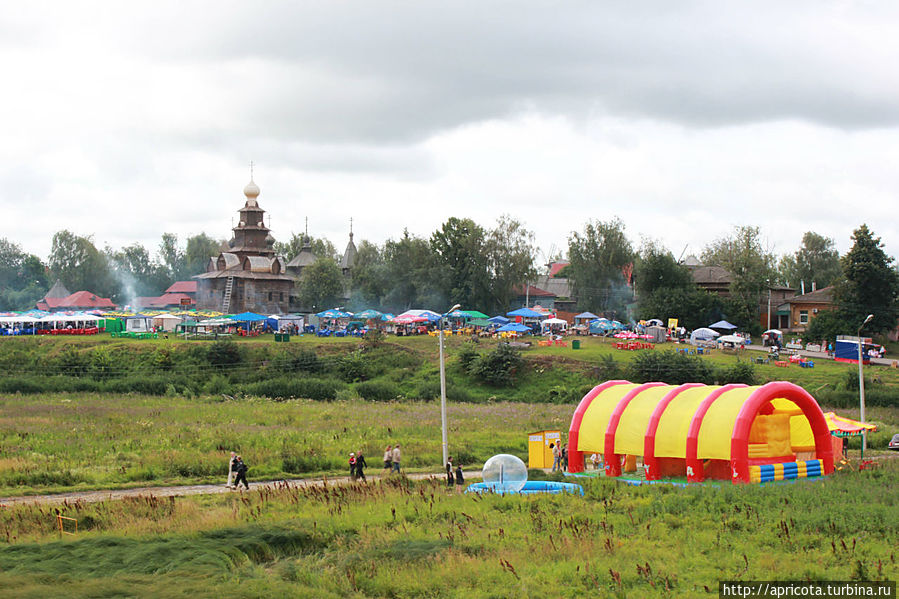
x: 167, y: 322
x: 553, y: 323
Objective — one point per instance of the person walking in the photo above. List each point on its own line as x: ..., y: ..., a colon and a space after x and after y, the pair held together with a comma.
x: 557, y: 456
x: 361, y: 464
x: 395, y: 458
x: 241, y: 473
x: 449, y: 472
x: 353, y: 466
x: 564, y: 457
x: 231, y: 469
x: 460, y: 480
x: 388, y: 459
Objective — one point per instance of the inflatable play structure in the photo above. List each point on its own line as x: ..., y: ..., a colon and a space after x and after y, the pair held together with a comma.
x: 732, y: 432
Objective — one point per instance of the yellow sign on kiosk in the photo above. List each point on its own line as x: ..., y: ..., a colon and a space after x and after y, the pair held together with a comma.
x: 540, y: 455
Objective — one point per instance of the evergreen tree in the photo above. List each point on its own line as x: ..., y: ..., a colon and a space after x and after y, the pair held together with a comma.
x: 870, y: 284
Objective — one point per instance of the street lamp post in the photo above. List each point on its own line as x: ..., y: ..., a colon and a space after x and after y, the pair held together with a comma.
x: 768, y: 320
x: 861, y: 384
x: 443, y: 385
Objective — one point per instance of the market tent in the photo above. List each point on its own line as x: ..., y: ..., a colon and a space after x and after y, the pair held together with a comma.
x: 600, y: 326
x: 408, y: 319
x: 369, y: 314
x: 553, y: 322
x: 475, y: 314
x: 846, y: 427
x: 703, y: 335
x: 480, y: 322
x: 428, y: 315
x: 499, y: 320
x: 525, y: 313
x: 333, y: 313
x: 167, y: 322
x: 248, y: 317
x: 654, y: 322
x: 513, y: 327
x: 731, y: 339
x: 723, y: 324
x: 586, y: 316
x: 777, y: 332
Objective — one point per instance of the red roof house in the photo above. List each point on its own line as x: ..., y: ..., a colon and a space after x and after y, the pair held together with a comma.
x: 188, y: 287
x: 80, y: 300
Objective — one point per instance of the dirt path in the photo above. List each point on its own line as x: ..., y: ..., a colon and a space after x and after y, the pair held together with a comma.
x: 181, y: 491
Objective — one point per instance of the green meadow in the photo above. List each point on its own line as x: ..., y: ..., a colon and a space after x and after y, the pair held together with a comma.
x: 400, y: 538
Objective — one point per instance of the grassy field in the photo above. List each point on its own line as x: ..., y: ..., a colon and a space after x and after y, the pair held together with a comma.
x: 79, y: 442
x: 404, y: 539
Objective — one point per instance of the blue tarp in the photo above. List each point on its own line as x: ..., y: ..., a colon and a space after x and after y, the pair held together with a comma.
x: 499, y: 320
x: 525, y: 313
x: 248, y: 317
x: 514, y: 327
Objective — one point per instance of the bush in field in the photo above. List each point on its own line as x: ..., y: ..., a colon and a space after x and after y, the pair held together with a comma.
x: 353, y: 367
x: 291, y: 387
x: 738, y: 372
x: 307, y: 361
x: 102, y: 364
x: 468, y: 353
x: 223, y: 354
x: 163, y: 359
x: 669, y: 367
x: 607, y: 369
x: 498, y: 367
x: 145, y: 385
x: 378, y: 391
x: 72, y: 362
x: 373, y: 338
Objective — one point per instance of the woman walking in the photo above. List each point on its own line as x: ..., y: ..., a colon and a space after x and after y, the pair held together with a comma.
x: 388, y: 458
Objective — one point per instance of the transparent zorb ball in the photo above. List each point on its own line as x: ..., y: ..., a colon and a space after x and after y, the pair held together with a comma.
x: 505, y: 473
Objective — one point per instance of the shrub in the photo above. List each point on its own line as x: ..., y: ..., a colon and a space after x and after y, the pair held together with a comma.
x: 498, y: 367
x: 739, y: 372
x: 223, y: 353
x: 378, y: 391
x: 102, y: 365
x: 146, y: 385
x: 373, y: 338
x: 669, y: 367
x: 608, y: 369
x: 72, y: 362
x: 353, y: 367
x: 468, y: 353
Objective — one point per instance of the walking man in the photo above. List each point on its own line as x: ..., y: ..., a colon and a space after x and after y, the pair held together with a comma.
x: 353, y: 466
x: 241, y: 473
x: 460, y: 480
x: 557, y: 456
x: 449, y: 472
x: 395, y: 457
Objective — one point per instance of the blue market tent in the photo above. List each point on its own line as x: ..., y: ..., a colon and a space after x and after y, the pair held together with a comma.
x: 499, y: 320
x: 333, y: 313
x: 723, y: 324
x: 586, y: 315
x: 513, y: 327
x: 248, y: 317
x: 525, y: 313
x: 369, y: 314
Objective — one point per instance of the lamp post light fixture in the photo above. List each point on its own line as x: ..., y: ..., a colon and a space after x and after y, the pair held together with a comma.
x: 443, y: 384
x: 861, y: 384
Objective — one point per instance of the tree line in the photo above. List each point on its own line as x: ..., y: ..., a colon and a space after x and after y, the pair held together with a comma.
x: 485, y: 268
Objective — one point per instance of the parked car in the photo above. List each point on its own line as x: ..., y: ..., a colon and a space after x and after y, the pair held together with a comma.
x: 894, y: 443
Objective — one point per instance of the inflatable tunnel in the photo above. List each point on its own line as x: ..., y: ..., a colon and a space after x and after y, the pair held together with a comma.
x: 737, y: 432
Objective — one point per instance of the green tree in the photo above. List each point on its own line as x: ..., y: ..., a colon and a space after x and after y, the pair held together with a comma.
x: 172, y: 257
x: 510, y: 254
x: 136, y: 273
x: 321, y: 285
x: 751, y: 268
x: 321, y: 247
x: 79, y: 265
x: 598, y: 257
x: 817, y: 261
x: 410, y: 273
x: 200, y: 248
x: 656, y: 268
x: 870, y: 284
x: 691, y: 306
x: 369, y: 276
x: 461, y: 261
x: 23, y: 278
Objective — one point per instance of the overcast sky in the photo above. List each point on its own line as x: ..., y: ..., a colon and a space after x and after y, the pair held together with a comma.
x: 125, y: 120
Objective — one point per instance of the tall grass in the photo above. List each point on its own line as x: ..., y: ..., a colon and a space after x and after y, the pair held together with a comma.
x: 403, y: 539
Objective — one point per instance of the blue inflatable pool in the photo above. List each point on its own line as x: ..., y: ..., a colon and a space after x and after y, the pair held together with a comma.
x: 531, y: 487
